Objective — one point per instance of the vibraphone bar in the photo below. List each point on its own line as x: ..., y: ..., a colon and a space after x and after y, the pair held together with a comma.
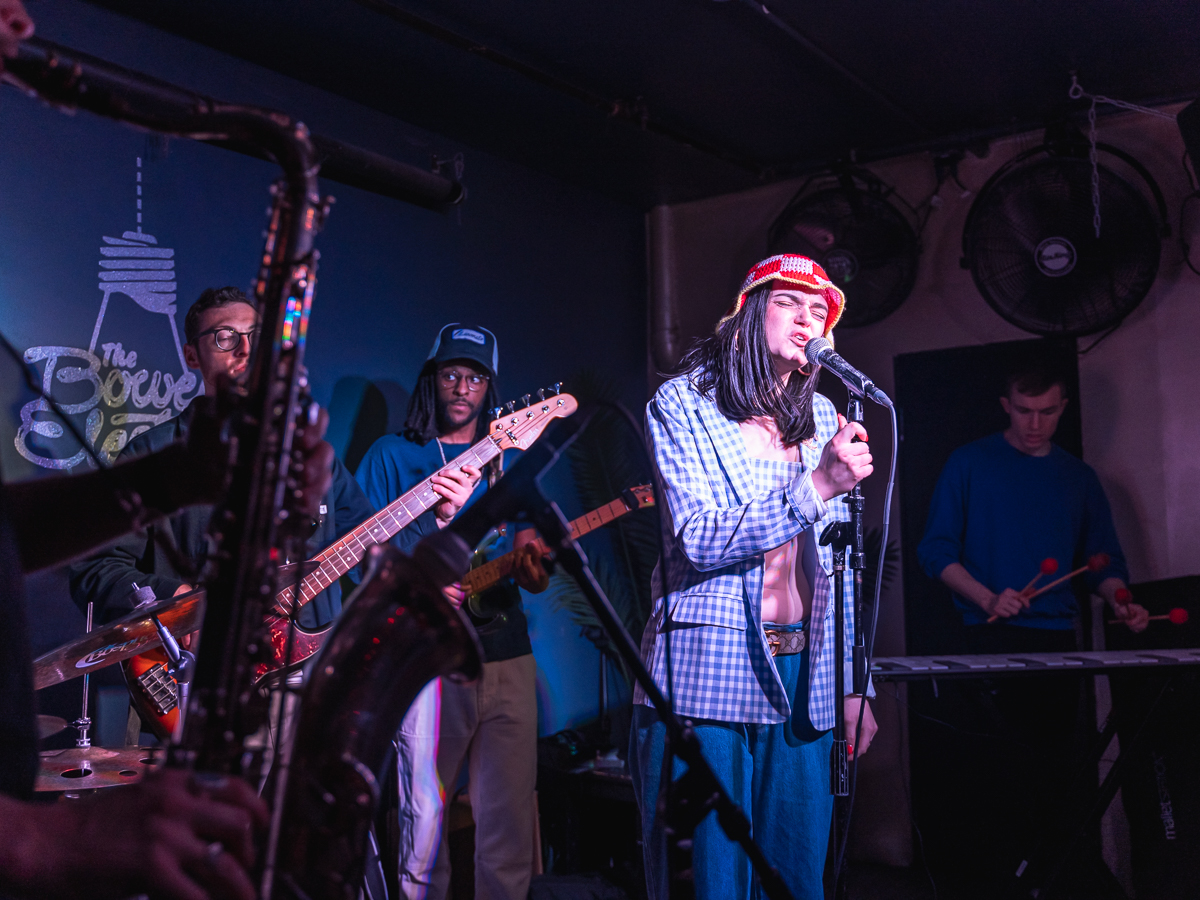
x: 900, y: 668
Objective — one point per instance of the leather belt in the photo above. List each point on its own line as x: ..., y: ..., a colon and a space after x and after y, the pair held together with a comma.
x: 786, y: 643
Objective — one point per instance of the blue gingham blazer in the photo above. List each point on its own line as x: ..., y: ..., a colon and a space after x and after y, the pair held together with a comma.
x: 708, y: 587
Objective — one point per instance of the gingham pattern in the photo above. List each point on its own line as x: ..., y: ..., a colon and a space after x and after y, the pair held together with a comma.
x: 719, y: 520
x: 796, y: 269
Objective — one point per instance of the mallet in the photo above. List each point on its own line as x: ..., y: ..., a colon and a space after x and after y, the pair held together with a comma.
x: 1095, y: 564
x: 1177, y: 616
x: 1049, y: 567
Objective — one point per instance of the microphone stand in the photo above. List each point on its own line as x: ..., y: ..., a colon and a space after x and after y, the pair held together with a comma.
x: 697, y: 791
x: 846, y: 539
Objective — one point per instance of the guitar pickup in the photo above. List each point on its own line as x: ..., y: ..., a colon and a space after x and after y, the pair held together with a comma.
x: 160, y: 687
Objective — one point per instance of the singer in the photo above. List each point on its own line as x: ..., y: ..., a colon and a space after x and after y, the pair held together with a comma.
x: 749, y: 459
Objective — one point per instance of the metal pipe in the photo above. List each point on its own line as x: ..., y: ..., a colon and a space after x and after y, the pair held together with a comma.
x: 338, y: 161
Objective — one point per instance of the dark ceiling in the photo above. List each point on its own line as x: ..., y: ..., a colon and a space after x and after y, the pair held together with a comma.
x: 653, y: 101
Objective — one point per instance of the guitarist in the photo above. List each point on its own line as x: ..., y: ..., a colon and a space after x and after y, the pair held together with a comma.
x: 490, y: 725
x: 220, y: 327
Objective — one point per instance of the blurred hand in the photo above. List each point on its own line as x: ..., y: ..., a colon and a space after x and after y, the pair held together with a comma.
x: 859, y: 743
x: 528, y: 571
x: 455, y: 594
x: 455, y: 487
x: 174, y: 835
x: 844, y: 461
x: 1007, y: 603
x: 1134, y: 615
x: 15, y: 26
x: 210, y: 456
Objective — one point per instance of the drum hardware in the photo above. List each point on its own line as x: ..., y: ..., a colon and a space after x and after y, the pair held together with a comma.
x: 86, y: 768
x: 48, y: 726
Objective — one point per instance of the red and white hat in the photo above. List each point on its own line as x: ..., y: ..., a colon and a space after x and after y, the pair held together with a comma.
x: 795, y: 269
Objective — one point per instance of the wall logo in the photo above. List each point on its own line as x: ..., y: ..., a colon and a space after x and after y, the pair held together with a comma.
x: 120, y: 399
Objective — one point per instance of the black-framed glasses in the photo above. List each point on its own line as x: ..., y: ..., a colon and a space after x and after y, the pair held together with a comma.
x: 475, y: 382
x: 228, y: 339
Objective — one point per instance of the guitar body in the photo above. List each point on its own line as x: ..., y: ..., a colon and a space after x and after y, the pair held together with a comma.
x: 280, y: 633
x: 155, y: 694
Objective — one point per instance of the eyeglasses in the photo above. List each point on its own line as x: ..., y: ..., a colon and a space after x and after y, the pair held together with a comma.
x: 228, y: 339
x: 475, y: 382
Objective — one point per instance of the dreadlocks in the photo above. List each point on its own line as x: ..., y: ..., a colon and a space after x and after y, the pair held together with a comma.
x: 421, y: 423
x: 733, y: 369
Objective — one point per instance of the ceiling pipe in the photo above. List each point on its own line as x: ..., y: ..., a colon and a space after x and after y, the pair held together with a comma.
x: 339, y: 161
x: 666, y: 334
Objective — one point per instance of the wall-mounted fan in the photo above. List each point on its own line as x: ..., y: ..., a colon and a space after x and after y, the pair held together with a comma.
x: 1031, y: 245
x: 846, y: 221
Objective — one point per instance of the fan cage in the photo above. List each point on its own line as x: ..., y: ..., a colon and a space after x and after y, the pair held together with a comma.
x: 866, y: 245
x: 1032, y: 249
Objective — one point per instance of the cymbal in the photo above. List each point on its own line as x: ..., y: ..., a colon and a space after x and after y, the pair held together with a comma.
x: 128, y: 636
x: 134, y: 633
x: 49, y: 726
x: 84, y: 768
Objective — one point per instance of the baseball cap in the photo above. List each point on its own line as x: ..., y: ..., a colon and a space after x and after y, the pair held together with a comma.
x: 460, y: 341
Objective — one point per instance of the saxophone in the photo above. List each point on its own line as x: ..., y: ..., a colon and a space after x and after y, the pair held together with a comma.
x: 397, y: 633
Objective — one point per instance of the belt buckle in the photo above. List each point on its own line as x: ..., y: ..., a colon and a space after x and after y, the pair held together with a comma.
x: 773, y: 641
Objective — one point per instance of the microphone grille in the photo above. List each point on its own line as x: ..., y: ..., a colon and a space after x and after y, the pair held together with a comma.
x: 814, y: 348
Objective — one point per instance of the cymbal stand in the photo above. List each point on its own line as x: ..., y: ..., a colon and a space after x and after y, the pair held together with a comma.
x: 83, y: 724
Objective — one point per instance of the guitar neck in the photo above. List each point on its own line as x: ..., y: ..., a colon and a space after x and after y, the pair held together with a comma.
x: 494, y: 571
x: 340, y: 557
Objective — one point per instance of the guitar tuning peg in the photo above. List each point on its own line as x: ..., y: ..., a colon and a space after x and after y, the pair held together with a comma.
x: 511, y: 405
x: 497, y: 412
x: 556, y: 387
x: 541, y: 393
x: 525, y: 400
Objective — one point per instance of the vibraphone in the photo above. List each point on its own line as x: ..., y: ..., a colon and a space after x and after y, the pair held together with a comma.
x: 900, y: 668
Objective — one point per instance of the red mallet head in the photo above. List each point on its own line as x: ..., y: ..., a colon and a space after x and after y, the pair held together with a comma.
x: 1098, y: 562
x: 1177, y: 616
x: 1049, y: 566
x: 1122, y: 596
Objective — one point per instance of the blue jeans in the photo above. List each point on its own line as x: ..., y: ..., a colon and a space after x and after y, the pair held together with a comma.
x: 777, y: 774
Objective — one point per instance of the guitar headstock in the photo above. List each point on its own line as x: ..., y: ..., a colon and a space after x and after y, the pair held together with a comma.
x: 517, y: 429
x: 638, y: 497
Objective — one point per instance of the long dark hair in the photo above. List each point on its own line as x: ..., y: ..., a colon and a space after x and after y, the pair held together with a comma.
x: 733, y: 369
x: 420, y: 423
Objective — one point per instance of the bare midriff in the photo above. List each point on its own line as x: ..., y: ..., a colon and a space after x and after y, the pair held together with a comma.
x: 787, y: 594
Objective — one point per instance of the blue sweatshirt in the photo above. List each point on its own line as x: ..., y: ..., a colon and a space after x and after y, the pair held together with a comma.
x: 392, y: 466
x: 1000, y: 512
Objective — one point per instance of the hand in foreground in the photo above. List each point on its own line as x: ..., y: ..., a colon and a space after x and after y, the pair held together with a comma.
x: 844, y: 461
x: 174, y: 835
x: 455, y: 487
x: 15, y: 26
x: 209, y: 457
x: 859, y: 744
x: 455, y: 594
x: 528, y: 571
x: 1007, y: 603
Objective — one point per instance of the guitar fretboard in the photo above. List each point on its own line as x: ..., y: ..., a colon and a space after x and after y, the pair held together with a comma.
x: 483, y: 577
x: 343, y: 555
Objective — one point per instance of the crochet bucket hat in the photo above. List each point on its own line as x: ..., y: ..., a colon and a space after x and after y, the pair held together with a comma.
x: 794, y: 269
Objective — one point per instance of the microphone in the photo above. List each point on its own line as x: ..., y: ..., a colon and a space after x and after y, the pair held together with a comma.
x: 820, y: 353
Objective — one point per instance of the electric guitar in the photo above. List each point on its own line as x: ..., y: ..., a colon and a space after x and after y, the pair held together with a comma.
x: 155, y: 692
x: 494, y: 571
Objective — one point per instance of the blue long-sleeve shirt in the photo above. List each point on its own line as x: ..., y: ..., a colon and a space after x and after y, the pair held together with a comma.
x: 1001, y: 512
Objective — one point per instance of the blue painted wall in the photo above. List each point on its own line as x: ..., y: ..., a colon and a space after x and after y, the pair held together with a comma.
x: 557, y: 272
